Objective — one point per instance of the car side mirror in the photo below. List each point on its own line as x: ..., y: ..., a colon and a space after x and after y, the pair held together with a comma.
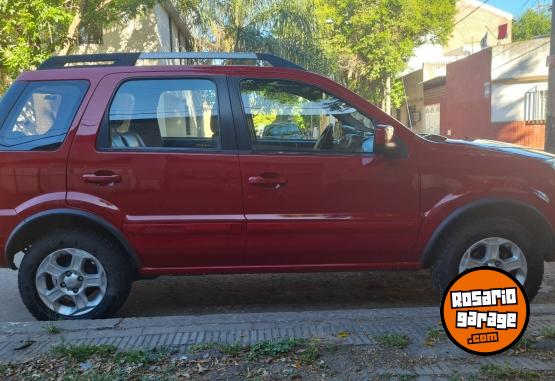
x: 384, y: 143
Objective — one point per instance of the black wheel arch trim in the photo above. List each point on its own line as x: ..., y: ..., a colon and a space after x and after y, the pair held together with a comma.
x: 427, y: 254
x: 9, y: 253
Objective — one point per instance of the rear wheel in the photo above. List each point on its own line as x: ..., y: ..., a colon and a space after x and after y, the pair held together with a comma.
x: 493, y: 242
x: 74, y: 274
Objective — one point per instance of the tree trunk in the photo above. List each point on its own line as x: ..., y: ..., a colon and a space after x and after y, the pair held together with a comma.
x: 76, y: 23
x: 71, y: 33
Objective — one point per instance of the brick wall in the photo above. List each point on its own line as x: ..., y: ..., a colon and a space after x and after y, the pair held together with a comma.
x: 530, y: 135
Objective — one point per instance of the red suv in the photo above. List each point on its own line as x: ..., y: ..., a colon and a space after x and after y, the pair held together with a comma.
x: 113, y: 172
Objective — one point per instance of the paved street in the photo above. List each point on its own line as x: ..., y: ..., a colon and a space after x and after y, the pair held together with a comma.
x: 215, y: 294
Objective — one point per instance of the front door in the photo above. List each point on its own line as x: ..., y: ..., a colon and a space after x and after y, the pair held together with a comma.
x: 163, y: 168
x: 315, y: 193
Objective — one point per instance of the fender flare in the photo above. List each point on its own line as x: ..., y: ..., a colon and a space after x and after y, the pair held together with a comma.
x: 427, y: 254
x: 10, y: 248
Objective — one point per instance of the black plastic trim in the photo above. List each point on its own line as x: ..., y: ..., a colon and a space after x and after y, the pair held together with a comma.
x: 72, y: 213
x: 116, y: 59
x: 444, y: 225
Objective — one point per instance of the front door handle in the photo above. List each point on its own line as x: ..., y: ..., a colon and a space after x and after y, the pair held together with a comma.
x: 102, y: 178
x: 268, y: 180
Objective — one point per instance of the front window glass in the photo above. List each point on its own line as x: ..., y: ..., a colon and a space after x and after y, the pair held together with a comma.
x: 291, y: 116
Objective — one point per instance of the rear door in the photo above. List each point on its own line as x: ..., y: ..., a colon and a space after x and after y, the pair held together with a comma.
x: 315, y: 192
x: 157, y: 158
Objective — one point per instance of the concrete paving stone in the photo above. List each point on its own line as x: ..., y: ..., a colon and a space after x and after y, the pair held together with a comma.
x: 363, y: 326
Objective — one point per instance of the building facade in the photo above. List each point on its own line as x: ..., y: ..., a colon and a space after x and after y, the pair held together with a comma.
x: 477, y: 27
x: 499, y: 93
x: 161, y: 29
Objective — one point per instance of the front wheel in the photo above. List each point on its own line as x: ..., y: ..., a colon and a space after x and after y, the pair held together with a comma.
x: 493, y: 242
x: 74, y: 274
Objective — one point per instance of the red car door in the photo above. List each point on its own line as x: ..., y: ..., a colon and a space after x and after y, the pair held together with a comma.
x: 157, y: 159
x: 315, y: 193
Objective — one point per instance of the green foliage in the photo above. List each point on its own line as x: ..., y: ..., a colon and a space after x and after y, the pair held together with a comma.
x: 287, y: 28
x: 435, y: 335
x: 371, y: 40
x: 33, y: 30
x: 52, y: 329
x: 530, y: 25
x: 309, y: 354
x: 548, y: 333
x: 228, y: 349
x: 139, y: 357
x: 30, y: 31
x: 393, y: 340
x: 274, y: 348
x: 83, y: 352
x: 506, y: 372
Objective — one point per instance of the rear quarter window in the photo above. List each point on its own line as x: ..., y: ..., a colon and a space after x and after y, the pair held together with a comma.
x: 42, y: 115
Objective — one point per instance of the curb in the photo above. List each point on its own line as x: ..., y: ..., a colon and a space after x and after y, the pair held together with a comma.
x: 358, y: 327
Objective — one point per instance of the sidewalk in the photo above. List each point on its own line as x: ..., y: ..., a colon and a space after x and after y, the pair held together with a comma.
x: 349, y: 327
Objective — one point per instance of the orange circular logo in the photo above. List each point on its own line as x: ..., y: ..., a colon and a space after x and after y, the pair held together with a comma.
x: 485, y: 311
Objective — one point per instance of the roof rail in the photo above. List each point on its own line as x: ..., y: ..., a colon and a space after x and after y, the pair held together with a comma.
x: 130, y: 59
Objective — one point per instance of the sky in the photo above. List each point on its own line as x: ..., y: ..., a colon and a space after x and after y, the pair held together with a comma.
x: 516, y: 7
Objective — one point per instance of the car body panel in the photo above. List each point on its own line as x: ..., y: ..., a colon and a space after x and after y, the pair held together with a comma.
x: 266, y: 230
x: 177, y: 208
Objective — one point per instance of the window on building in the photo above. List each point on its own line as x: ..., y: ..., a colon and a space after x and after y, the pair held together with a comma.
x: 415, y: 115
x: 292, y: 116
x: 535, y: 105
x: 165, y: 113
x: 90, y: 34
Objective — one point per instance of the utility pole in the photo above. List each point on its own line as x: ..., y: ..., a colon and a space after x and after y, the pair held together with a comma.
x: 550, y: 117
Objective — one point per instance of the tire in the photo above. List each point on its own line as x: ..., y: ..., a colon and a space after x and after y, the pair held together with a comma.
x: 102, y: 263
x: 451, y: 249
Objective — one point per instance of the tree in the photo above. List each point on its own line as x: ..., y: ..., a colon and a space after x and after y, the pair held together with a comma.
x: 531, y: 24
x: 33, y: 30
x: 284, y: 27
x: 372, y: 40
x: 30, y: 30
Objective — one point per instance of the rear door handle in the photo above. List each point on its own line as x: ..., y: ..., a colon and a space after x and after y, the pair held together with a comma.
x: 102, y: 178
x: 268, y: 180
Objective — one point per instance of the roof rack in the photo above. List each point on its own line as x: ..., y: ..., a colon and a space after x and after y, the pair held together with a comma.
x: 130, y: 59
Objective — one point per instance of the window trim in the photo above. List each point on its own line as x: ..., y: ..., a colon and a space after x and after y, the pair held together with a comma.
x: 246, y: 128
x: 16, y: 99
x: 103, y: 143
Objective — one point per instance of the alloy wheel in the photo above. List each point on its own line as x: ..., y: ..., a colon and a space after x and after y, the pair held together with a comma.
x: 496, y: 252
x: 71, y: 282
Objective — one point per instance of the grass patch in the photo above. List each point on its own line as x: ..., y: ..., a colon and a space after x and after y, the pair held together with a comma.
x: 195, y: 348
x: 83, y: 352
x: 548, y: 333
x: 139, y: 357
x: 274, y: 348
x: 393, y: 340
x: 506, y: 372
x: 228, y: 349
x: 231, y: 349
x: 309, y: 354
x: 3, y: 369
x: 51, y: 329
x: 525, y: 343
x: 435, y: 335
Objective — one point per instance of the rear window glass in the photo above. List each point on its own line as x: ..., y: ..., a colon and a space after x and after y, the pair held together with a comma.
x: 42, y: 115
x: 165, y: 113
